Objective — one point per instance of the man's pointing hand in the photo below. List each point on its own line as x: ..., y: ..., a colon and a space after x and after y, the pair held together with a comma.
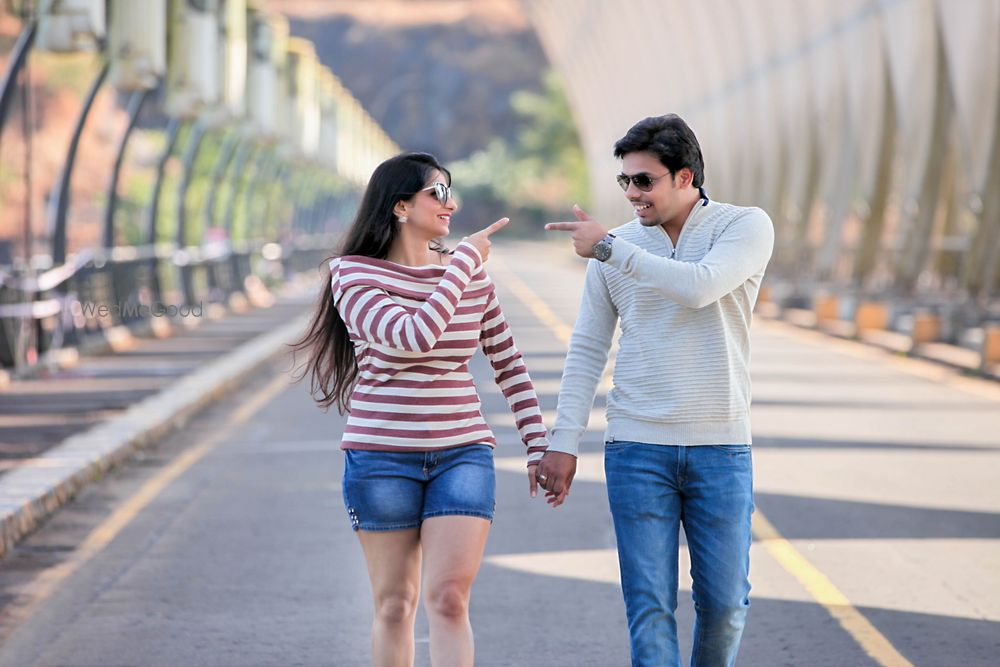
x: 586, y: 231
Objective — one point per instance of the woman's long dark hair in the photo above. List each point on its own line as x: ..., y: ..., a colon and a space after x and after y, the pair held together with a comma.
x: 332, y: 366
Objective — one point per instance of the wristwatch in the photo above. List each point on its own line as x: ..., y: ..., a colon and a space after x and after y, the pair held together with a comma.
x: 602, y: 249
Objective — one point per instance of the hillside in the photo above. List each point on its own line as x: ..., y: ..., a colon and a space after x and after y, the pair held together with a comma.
x: 436, y: 74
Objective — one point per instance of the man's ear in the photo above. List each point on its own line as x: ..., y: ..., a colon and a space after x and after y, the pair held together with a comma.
x: 686, y: 177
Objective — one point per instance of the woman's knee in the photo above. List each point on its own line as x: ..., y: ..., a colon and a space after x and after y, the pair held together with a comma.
x: 396, y: 607
x: 448, y: 599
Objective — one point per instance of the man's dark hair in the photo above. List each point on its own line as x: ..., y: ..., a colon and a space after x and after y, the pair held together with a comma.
x: 668, y: 138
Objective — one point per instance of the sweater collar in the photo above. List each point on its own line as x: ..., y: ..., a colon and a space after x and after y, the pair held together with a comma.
x: 698, y: 212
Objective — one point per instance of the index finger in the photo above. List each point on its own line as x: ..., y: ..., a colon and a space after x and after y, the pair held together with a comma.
x: 496, y: 226
x: 562, y: 226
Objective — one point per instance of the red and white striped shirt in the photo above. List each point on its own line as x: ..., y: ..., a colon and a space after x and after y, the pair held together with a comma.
x: 415, y: 330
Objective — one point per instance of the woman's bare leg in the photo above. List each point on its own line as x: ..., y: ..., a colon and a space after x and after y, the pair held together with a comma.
x: 393, y: 559
x: 452, y: 552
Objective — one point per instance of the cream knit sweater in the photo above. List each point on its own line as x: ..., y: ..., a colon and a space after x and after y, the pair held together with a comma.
x: 682, y: 374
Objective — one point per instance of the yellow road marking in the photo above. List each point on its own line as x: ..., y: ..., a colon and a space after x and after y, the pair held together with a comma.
x: 817, y: 584
x: 827, y: 594
x: 546, y: 315
x: 46, y: 582
x: 535, y: 304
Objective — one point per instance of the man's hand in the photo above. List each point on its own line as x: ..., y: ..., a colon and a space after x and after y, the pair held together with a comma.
x: 586, y: 231
x: 555, y: 474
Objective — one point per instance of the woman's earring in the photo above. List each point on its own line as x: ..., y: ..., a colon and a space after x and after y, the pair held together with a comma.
x: 402, y: 219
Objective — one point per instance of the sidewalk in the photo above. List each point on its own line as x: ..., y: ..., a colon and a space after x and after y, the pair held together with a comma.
x: 60, y: 429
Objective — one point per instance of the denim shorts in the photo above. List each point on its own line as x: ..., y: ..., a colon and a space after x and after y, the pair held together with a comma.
x: 398, y: 490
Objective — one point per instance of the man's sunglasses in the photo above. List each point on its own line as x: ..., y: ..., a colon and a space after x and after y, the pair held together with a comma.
x: 441, y: 192
x: 643, y: 181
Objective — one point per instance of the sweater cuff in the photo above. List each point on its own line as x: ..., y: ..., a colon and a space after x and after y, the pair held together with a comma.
x: 536, y: 450
x: 564, y: 442
x: 621, y: 251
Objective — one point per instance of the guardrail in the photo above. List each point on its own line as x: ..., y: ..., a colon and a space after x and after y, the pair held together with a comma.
x: 94, y: 291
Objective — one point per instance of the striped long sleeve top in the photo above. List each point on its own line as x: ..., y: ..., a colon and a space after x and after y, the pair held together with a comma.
x: 415, y: 329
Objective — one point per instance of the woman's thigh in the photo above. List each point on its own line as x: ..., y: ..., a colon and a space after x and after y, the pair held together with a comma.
x: 393, y: 561
x: 452, y: 549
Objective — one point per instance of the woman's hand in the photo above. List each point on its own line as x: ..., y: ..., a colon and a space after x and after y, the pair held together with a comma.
x: 481, y: 239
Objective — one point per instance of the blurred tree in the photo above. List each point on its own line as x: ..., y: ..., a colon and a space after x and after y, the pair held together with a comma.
x: 533, y: 179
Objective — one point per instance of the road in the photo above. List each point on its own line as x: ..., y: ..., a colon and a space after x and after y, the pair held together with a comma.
x: 877, y: 524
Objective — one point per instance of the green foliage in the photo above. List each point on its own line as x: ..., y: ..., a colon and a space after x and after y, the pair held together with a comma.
x: 533, y: 179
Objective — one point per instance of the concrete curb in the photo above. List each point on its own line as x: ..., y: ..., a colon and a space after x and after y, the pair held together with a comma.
x: 28, y: 495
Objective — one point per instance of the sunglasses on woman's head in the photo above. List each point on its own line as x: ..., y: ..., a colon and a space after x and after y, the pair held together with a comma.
x: 441, y: 192
x: 642, y: 180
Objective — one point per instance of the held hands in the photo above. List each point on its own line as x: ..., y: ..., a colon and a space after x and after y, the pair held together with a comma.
x: 481, y: 239
x: 586, y: 231
x: 555, y: 475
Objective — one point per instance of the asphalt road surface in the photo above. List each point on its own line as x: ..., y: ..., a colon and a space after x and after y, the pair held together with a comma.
x: 877, y: 525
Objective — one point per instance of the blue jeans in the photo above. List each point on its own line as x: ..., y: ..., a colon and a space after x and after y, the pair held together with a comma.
x: 399, y: 490
x: 653, y: 489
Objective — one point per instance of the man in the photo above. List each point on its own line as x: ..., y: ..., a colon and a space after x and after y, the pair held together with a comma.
x: 683, y: 278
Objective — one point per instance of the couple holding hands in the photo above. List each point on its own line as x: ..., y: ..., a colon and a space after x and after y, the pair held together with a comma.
x: 390, y: 343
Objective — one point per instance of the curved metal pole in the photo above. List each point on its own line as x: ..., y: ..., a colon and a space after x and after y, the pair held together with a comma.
x: 187, y: 162
x: 59, y: 204
x: 988, y: 281
x: 265, y: 163
x: 242, y: 155
x: 262, y: 165
x: 240, y: 267
x: 134, y: 107
x: 173, y: 132
x: 280, y: 179
x: 327, y: 211
x: 917, y: 242
x: 981, y: 270
x: 329, y: 207
x: 867, y: 254
x: 315, y: 213
x: 17, y: 59
x: 319, y: 208
x: 269, y: 174
x: 300, y: 208
x: 221, y: 165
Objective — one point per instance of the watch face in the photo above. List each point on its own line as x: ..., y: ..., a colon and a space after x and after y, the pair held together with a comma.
x: 602, y: 250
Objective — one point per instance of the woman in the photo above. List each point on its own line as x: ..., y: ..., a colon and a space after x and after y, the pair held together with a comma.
x: 390, y: 343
